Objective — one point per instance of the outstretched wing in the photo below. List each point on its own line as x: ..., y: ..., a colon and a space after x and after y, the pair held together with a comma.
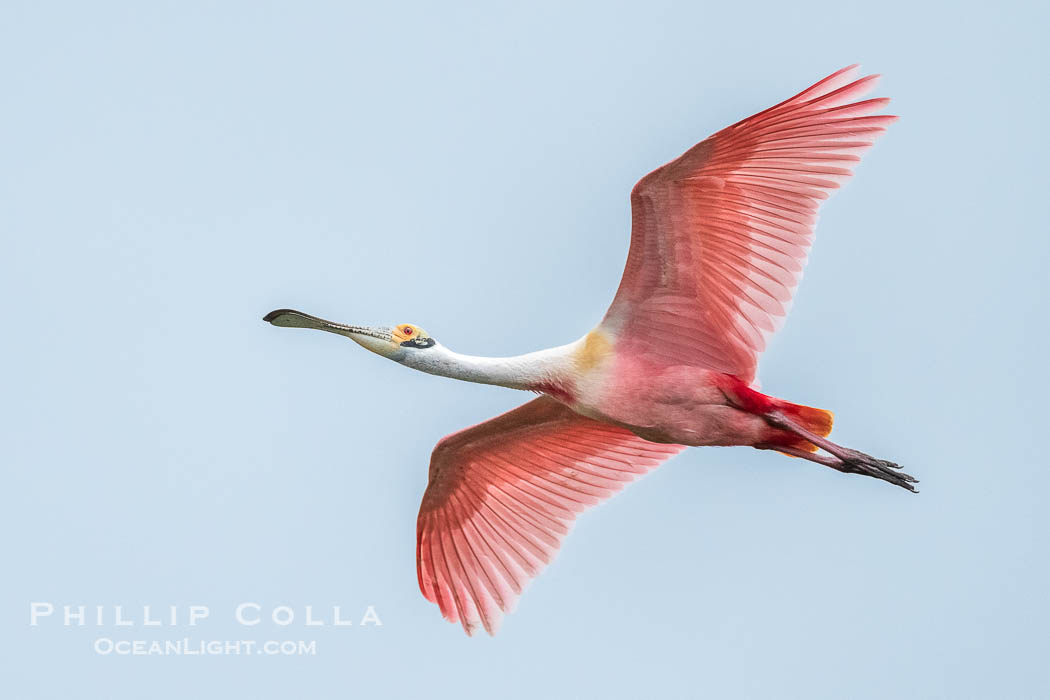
x: 503, y: 493
x: 720, y: 235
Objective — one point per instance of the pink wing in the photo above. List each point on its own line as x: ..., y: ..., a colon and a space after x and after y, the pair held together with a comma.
x: 720, y: 235
x: 503, y: 493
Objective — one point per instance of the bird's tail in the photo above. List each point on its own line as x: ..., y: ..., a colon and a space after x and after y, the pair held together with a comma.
x: 815, y: 420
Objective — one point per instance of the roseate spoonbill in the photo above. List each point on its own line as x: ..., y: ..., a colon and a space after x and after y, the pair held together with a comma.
x: 718, y: 240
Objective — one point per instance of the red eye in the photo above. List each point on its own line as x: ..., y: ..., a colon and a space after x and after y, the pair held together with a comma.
x: 406, y: 330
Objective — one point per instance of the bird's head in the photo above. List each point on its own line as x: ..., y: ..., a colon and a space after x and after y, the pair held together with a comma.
x: 397, y: 343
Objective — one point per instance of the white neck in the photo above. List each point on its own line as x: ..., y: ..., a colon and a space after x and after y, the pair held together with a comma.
x: 529, y: 371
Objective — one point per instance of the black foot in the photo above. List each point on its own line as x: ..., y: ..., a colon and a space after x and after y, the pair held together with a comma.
x: 859, y: 463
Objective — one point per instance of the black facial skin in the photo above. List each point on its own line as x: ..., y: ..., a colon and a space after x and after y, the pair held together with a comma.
x: 418, y: 342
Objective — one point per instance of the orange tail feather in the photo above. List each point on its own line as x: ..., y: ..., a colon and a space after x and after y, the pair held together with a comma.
x: 815, y: 420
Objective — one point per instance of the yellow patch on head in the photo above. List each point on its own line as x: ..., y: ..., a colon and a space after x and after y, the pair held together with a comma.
x: 406, y: 331
x: 596, y: 347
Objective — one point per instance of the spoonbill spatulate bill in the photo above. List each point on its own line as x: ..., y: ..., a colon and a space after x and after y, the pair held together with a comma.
x: 719, y: 237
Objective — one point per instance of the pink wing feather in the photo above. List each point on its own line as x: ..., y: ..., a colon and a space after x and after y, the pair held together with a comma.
x: 720, y: 235
x: 504, y: 493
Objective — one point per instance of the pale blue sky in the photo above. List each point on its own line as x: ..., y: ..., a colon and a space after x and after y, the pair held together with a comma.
x: 172, y: 171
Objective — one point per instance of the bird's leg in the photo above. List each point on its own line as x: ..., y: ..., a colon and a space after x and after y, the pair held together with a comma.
x: 841, y: 458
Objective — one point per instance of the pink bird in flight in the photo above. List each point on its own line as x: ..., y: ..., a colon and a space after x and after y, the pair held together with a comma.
x: 719, y: 237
